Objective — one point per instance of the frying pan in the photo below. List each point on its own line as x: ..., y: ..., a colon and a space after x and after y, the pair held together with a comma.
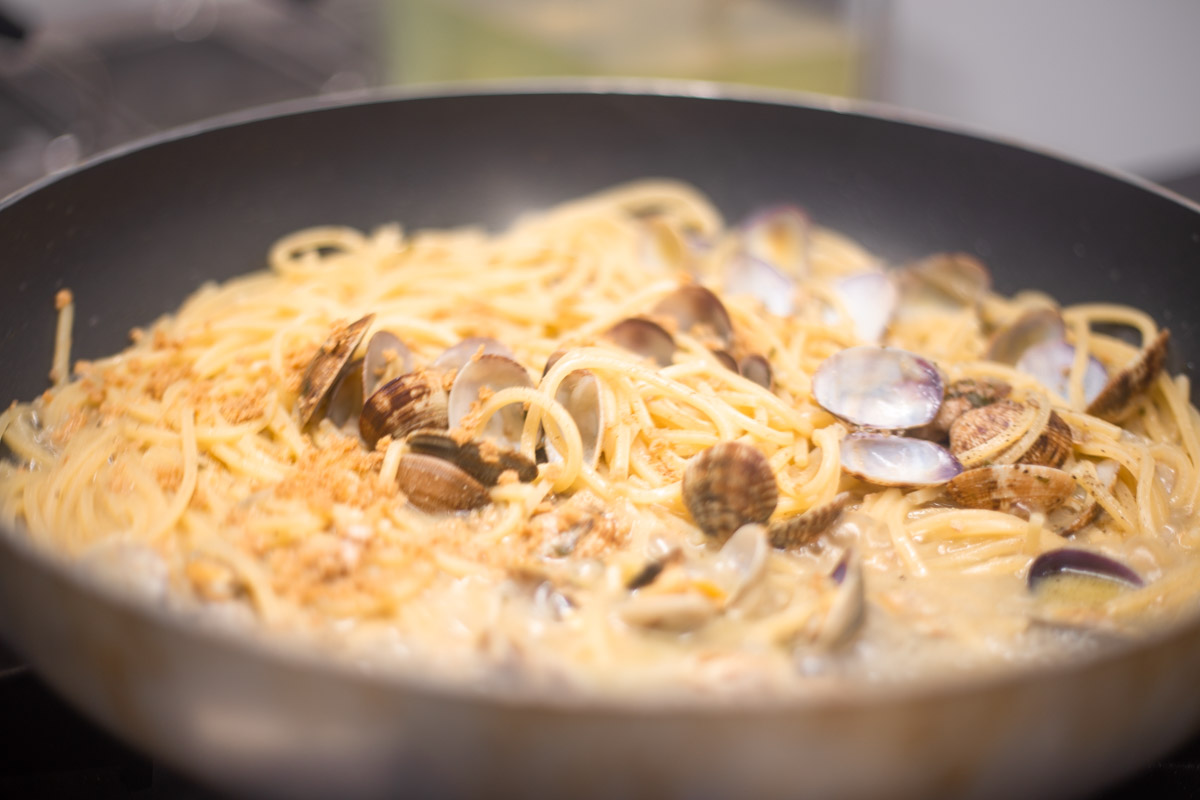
x: 134, y: 231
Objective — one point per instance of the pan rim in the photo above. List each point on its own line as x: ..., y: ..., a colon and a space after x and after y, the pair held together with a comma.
x: 307, y: 657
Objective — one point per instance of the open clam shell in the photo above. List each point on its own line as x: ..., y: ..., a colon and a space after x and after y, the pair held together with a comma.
x: 1050, y: 362
x: 411, y: 402
x: 779, y: 235
x: 644, y: 337
x: 959, y: 277
x: 456, y: 356
x: 746, y: 274
x: 1081, y: 509
x: 870, y: 299
x: 887, y: 460
x: 878, y: 387
x: 727, y: 486
x: 485, y: 375
x: 386, y: 358
x: 1119, y: 393
x: 483, y: 461
x: 326, y: 366
x: 579, y: 394
x: 848, y: 608
x: 1036, y: 327
x: 698, y: 311
x: 1012, y: 488
x: 757, y: 368
x: 977, y: 427
x: 742, y: 560
x: 1080, y: 562
x: 436, y: 485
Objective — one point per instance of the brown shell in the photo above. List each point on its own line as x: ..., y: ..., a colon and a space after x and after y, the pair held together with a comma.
x: 1118, y: 395
x: 1013, y: 488
x: 979, y: 425
x: 323, y: 371
x: 728, y: 485
x: 644, y: 337
x: 958, y: 275
x: 411, y: 402
x: 1080, y: 509
x: 435, y: 485
x: 756, y: 368
x: 804, y: 528
x: 484, y: 461
x: 961, y: 396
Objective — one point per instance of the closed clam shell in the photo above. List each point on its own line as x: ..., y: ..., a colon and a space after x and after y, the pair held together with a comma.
x: 489, y: 374
x: 888, y: 460
x: 326, y: 366
x: 878, y: 387
x: 411, y: 402
x: 727, y: 486
x: 802, y: 529
x: 435, y: 485
x: 484, y: 461
x: 1119, y: 393
x: 981, y: 425
x: 1020, y: 488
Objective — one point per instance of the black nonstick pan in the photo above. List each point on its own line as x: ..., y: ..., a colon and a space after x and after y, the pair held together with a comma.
x: 135, y: 231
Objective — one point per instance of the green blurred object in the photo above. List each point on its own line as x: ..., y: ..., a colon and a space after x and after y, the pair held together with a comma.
x: 794, y: 45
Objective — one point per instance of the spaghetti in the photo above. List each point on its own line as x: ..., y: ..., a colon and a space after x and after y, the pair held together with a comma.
x: 186, y: 449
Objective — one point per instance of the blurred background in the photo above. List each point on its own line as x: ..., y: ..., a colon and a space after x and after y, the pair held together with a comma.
x: 1109, y: 81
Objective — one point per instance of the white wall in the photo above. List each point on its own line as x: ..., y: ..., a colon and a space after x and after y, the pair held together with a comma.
x: 1115, y: 82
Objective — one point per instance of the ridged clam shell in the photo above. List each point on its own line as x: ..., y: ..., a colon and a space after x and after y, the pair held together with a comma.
x: 1012, y: 488
x: 981, y: 425
x: 804, y: 528
x: 326, y: 366
x: 727, y: 486
x: 878, y: 387
x: 1118, y: 395
x: 435, y: 485
x: 897, y: 460
x: 484, y: 461
x: 411, y: 402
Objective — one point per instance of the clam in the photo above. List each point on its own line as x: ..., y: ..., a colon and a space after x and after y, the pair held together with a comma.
x: 484, y: 461
x: 742, y: 560
x: 727, y: 486
x: 727, y: 360
x: 410, y: 402
x: 644, y: 337
x: 1050, y: 362
x: 346, y: 397
x: 435, y: 485
x: 778, y: 235
x: 326, y: 366
x: 804, y: 528
x: 1081, y: 509
x: 878, y: 387
x: 961, y: 396
x: 664, y: 248
x: 649, y: 573
x: 888, y: 460
x: 959, y: 277
x: 1012, y: 488
x: 1092, y: 567
x: 697, y: 311
x: 755, y: 367
x: 1039, y: 326
x: 679, y: 612
x: 481, y: 376
x: 870, y: 299
x: 456, y: 356
x: 746, y: 274
x: 386, y: 358
x: 848, y: 609
x: 1118, y: 394
x: 977, y: 427
x: 579, y: 394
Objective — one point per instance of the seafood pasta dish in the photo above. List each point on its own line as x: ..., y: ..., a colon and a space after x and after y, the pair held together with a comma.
x: 627, y: 446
